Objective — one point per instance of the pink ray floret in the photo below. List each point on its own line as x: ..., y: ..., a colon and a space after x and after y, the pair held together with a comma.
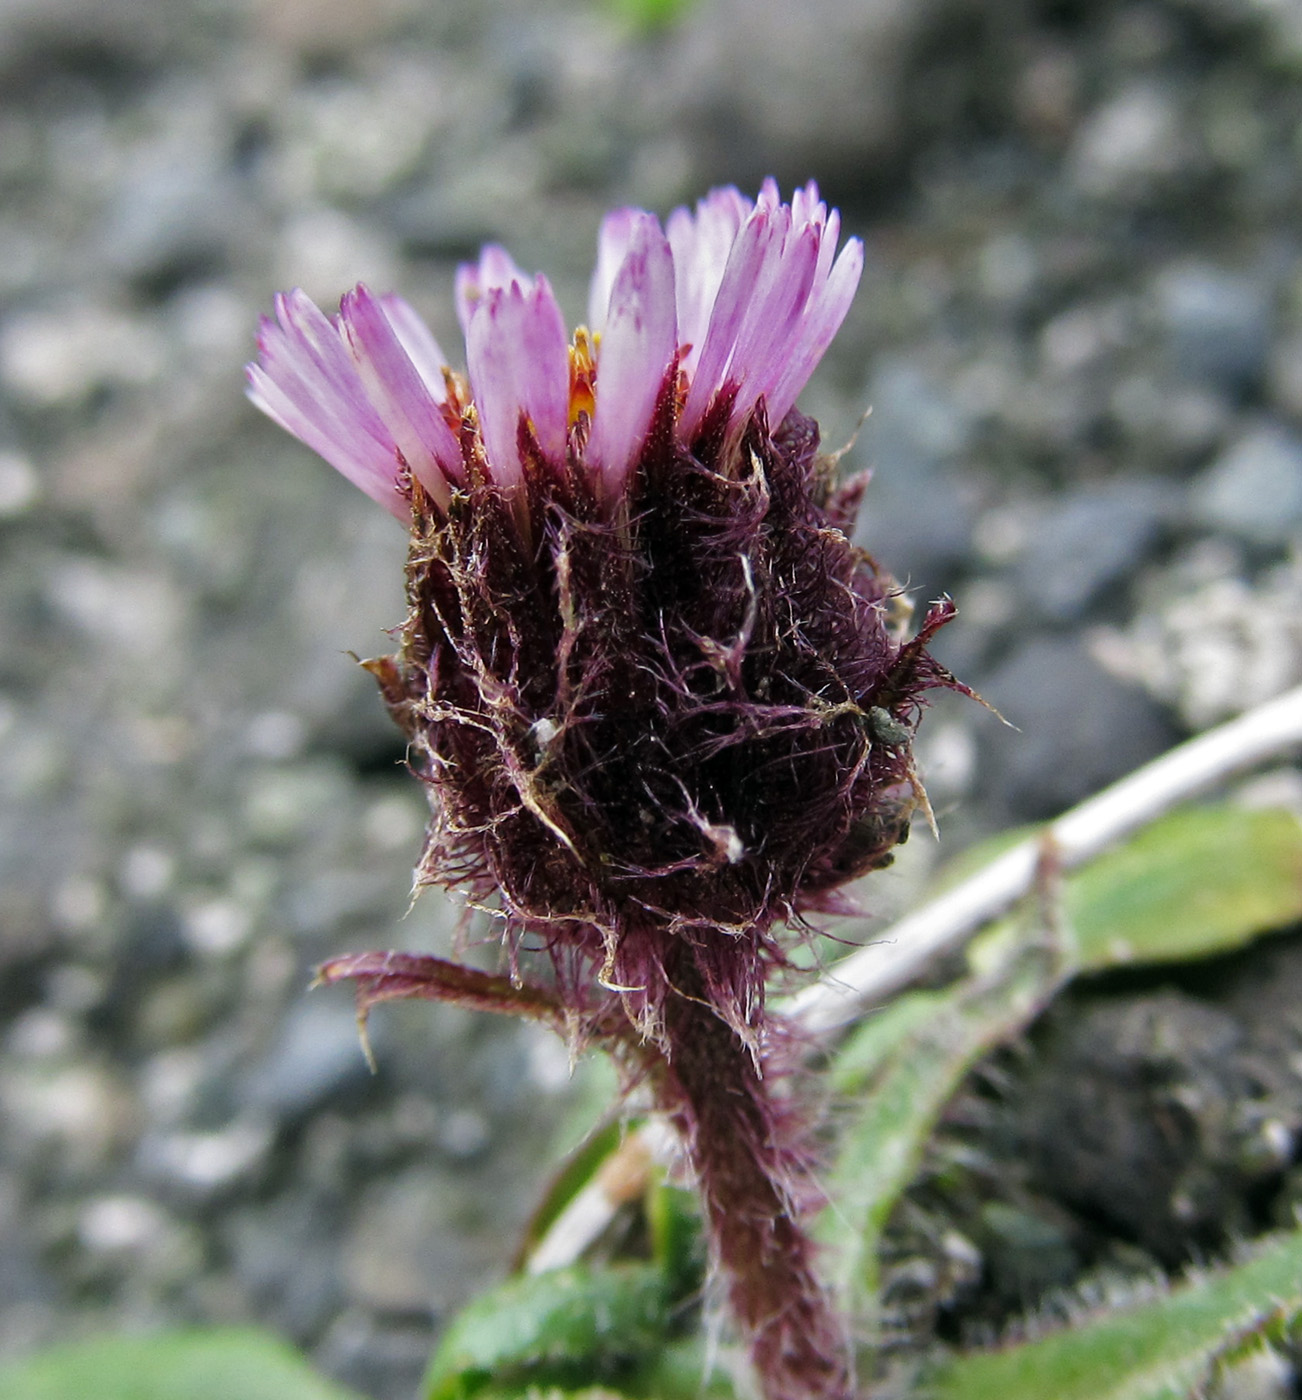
x: 517, y: 353
x: 637, y: 349
x: 770, y: 317
x: 742, y: 297
x: 348, y: 389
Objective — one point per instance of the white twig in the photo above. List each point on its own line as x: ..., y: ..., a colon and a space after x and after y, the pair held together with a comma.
x: 904, y: 950
x: 621, y: 1178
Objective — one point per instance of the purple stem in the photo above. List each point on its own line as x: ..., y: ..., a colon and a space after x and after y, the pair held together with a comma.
x: 746, y: 1166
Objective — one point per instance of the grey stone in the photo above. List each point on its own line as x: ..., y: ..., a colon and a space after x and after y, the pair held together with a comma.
x: 748, y: 111
x: 919, y: 510
x: 1284, y: 374
x: 25, y: 1281
x: 315, y: 1060
x: 1091, y: 543
x: 19, y: 485
x: 400, y: 1255
x: 377, y: 1356
x: 1254, y: 489
x: 1216, y: 323
x: 177, y: 208
x: 1077, y: 729
x: 285, y: 1255
x: 1132, y: 142
x: 179, y: 583
x: 204, y: 1168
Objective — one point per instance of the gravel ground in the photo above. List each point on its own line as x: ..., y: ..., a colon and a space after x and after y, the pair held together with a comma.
x: 1080, y: 334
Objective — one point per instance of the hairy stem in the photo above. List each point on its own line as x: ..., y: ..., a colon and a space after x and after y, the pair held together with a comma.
x: 749, y: 1174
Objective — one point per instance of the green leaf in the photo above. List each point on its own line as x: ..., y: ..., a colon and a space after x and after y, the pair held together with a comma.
x: 567, y: 1327
x: 234, y: 1364
x: 676, y: 1372
x: 575, y: 1172
x: 871, y: 1047
x: 674, y: 1221
x: 1160, y: 1350
x: 1201, y: 881
x: 649, y: 16
x: 687, y: 1370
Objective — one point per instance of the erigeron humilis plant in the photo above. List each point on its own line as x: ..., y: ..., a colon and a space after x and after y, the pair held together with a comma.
x: 662, y: 705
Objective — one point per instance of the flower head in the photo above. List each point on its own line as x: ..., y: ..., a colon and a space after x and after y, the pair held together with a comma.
x: 658, y: 696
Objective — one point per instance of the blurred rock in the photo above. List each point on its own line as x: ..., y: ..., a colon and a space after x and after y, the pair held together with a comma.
x: 399, y: 1257
x: 326, y: 28
x: 918, y: 511
x: 1077, y: 729
x: 1126, y: 1161
x: 1284, y: 375
x: 1255, y: 488
x: 1079, y: 293
x: 205, y: 1167
x: 57, y: 356
x: 285, y: 1255
x: 381, y: 1356
x: 1207, y: 642
x: 69, y: 1120
x: 743, y: 75
x: 1132, y: 143
x: 316, y: 1060
x: 19, y: 488
x: 1216, y: 323
x: 1091, y: 542
x: 178, y: 208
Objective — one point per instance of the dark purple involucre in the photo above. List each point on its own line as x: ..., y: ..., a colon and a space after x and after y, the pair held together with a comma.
x: 657, y: 735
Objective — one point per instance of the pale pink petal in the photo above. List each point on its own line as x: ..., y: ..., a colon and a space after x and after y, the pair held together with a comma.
x: 490, y: 358
x: 827, y: 249
x: 518, y: 356
x: 409, y: 411
x: 770, y: 283
x: 495, y: 269
x: 745, y: 263
x: 773, y: 303
x: 310, y: 341
x: 317, y: 379
x: 701, y: 246
x: 306, y: 382
x: 545, y: 370
x: 352, y: 455
x: 418, y: 341
x: 744, y: 296
x: 774, y: 309
x: 637, y: 349
x: 612, y: 247
x: 806, y: 207
x: 772, y: 318
x: 823, y: 317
